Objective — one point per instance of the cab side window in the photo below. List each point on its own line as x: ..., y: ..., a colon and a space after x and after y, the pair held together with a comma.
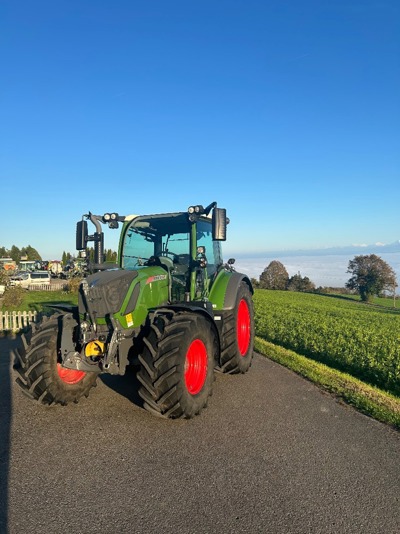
x: 213, y: 248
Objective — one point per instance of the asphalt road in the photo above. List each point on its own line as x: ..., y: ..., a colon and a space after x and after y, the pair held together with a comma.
x: 270, y: 454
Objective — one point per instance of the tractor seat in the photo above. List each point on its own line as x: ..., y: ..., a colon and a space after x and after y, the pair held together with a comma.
x: 166, y: 262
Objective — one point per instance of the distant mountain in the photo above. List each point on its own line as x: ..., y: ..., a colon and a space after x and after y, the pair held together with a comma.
x: 376, y: 248
x: 351, y: 250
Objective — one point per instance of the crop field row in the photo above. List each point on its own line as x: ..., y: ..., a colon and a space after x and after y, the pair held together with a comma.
x: 353, y: 337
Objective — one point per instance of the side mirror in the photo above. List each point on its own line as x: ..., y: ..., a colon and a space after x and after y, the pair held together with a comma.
x: 219, y: 222
x: 81, y: 235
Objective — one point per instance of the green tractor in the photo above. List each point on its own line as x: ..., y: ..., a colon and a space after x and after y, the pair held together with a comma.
x: 171, y: 308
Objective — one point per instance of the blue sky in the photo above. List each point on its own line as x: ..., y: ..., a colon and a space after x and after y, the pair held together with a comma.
x: 286, y: 113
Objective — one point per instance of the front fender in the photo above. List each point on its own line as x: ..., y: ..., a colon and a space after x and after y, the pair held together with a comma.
x: 224, y: 290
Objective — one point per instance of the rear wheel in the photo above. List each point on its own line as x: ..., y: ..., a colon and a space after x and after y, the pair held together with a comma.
x: 237, y: 338
x: 177, y: 364
x: 42, y: 377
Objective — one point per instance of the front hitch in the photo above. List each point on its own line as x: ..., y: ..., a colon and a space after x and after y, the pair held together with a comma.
x: 71, y: 359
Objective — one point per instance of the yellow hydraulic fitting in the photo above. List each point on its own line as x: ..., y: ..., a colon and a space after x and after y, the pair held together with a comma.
x: 94, y: 348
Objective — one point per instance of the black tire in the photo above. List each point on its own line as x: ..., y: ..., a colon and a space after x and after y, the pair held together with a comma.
x: 41, y: 375
x: 237, y: 339
x: 177, y: 364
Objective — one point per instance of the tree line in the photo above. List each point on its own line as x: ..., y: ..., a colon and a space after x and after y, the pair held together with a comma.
x: 370, y: 276
x: 31, y: 254
x: 110, y: 256
x: 16, y: 254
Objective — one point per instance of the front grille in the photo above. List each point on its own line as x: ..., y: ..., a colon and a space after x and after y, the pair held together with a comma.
x: 105, y: 292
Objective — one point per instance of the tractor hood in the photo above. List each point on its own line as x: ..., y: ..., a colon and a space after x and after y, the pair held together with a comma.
x: 104, y: 292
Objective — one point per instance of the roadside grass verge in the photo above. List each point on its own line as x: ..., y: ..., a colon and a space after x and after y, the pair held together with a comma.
x: 369, y: 400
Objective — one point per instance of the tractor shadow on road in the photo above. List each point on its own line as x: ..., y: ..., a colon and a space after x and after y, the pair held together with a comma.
x: 127, y: 385
x: 7, y: 346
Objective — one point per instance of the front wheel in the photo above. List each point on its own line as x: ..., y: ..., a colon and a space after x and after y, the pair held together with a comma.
x: 177, y: 364
x: 237, y: 337
x: 42, y: 377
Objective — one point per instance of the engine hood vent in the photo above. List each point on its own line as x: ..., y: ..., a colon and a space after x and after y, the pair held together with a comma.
x: 105, y: 292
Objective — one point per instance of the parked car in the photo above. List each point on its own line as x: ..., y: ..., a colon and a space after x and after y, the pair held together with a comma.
x: 31, y: 279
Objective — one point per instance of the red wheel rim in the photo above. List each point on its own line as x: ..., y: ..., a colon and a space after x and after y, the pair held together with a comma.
x: 196, y: 367
x: 69, y: 376
x: 243, y: 327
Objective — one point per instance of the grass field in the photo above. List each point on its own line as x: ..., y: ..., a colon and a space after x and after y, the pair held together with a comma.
x: 359, y: 339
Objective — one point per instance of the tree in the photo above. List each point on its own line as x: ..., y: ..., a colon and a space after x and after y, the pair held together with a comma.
x: 13, y: 297
x: 111, y: 256
x: 255, y: 283
x: 300, y: 283
x: 4, y: 277
x: 32, y: 253
x: 15, y: 254
x: 370, y: 276
x: 275, y: 276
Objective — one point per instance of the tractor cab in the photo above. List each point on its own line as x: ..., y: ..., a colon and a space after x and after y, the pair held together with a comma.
x: 186, y: 249
x: 185, y: 244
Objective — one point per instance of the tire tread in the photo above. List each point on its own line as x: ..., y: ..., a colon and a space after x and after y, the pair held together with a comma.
x: 37, y: 369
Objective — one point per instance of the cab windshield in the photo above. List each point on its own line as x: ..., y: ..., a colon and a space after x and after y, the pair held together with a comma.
x: 156, y: 236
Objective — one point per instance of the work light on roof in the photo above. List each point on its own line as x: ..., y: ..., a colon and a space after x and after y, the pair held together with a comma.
x: 196, y: 209
x: 111, y: 219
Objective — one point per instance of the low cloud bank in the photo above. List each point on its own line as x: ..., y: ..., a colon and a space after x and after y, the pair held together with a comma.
x: 323, y: 270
